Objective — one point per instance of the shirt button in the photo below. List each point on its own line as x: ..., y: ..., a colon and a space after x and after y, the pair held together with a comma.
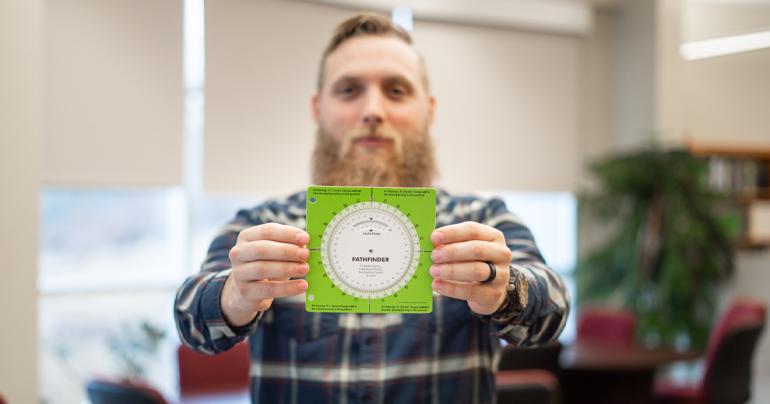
x: 370, y: 340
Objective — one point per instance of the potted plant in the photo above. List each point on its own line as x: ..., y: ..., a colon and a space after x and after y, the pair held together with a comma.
x: 671, y: 243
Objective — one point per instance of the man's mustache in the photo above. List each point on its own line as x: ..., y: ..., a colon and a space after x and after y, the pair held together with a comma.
x: 375, y: 136
x: 380, y: 133
x: 383, y: 134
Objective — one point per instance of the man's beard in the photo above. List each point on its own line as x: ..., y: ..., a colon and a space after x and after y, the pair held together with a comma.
x: 408, y: 161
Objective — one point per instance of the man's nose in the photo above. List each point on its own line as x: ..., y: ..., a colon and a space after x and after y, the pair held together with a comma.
x: 374, y: 112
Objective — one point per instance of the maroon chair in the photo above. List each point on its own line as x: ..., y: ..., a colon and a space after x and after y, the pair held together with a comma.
x: 529, y: 375
x: 728, y: 360
x: 201, y: 374
x: 532, y: 386
x: 606, y: 325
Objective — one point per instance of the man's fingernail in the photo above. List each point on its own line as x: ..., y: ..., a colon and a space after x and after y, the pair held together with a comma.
x: 437, y: 237
x: 303, y: 238
x: 436, y: 285
x: 435, y: 271
x: 303, y: 253
x: 436, y: 255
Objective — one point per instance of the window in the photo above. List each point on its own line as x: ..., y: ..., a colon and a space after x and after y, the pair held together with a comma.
x: 552, y: 218
x: 92, y: 239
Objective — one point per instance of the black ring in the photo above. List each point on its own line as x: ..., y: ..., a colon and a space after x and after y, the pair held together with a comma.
x: 492, y: 273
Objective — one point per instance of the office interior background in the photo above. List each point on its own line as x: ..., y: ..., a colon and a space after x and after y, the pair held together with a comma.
x: 131, y: 130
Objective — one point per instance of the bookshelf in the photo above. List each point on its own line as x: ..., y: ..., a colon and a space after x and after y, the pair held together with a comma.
x: 741, y: 169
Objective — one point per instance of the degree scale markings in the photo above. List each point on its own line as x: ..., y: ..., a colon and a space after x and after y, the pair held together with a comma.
x: 370, y: 250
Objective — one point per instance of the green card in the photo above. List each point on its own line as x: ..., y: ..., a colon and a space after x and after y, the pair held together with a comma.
x: 370, y: 249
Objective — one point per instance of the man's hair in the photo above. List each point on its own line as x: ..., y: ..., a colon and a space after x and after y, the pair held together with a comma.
x: 364, y: 24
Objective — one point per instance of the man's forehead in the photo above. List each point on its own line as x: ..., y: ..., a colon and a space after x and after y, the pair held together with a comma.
x: 385, y: 56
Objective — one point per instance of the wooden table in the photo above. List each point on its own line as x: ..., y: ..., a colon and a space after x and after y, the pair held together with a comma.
x: 607, y: 373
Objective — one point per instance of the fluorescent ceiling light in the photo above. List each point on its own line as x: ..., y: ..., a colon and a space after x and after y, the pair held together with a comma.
x: 728, y: 45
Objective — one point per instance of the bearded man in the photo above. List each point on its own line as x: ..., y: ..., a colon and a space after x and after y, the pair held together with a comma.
x: 374, y: 111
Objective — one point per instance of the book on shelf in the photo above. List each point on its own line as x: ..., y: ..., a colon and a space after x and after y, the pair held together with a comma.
x: 738, y: 176
x: 758, y: 222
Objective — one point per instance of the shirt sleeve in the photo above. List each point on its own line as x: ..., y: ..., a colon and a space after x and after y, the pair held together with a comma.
x: 543, y: 317
x: 197, y: 311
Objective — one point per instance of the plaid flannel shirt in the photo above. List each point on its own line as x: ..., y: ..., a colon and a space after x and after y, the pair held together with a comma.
x: 444, y: 356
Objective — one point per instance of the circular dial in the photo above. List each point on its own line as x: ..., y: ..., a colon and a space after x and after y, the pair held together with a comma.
x: 370, y: 250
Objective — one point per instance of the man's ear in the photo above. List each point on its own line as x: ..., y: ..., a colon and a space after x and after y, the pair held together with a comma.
x: 316, y: 107
x: 431, y: 109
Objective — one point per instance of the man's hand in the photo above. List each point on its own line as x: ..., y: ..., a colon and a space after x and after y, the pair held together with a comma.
x: 460, y: 255
x: 262, y: 261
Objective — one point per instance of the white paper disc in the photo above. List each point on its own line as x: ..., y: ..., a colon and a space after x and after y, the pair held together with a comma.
x: 370, y: 250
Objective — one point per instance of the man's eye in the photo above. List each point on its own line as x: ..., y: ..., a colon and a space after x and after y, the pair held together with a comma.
x: 347, y: 90
x: 397, y: 91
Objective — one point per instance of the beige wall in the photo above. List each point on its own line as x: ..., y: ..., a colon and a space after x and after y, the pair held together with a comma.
x: 261, y: 63
x: 670, y: 100
x: 114, y: 95
x: 719, y: 98
x: 508, y: 107
x: 704, y: 19
x: 633, y: 59
x: 597, y: 76
x: 21, y: 28
x: 658, y: 96
x: 508, y: 101
x: 728, y: 97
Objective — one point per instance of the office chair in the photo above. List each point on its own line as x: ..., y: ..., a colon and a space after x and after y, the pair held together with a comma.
x: 728, y: 361
x: 208, y: 374
x: 606, y: 325
x: 103, y: 391
x: 532, y: 386
x: 543, y: 357
x: 529, y: 375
